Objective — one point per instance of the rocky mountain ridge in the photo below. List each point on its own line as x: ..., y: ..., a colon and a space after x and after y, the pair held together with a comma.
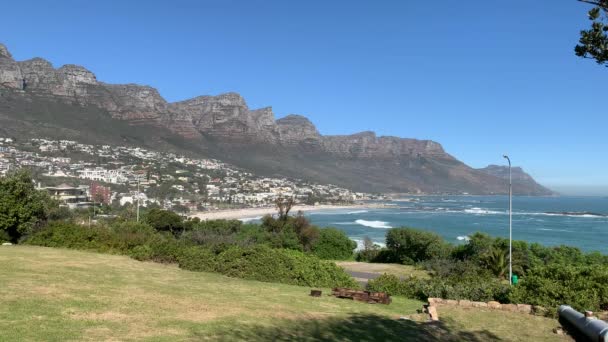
x: 226, y: 127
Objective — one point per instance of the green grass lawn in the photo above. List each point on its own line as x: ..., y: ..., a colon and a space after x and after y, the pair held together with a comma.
x: 57, y: 295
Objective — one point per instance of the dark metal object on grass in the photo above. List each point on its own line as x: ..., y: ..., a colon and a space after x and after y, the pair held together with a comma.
x: 362, y: 296
x: 315, y: 293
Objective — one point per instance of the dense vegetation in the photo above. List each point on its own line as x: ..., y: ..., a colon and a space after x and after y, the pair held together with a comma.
x: 478, y: 270
x: 287, y: 249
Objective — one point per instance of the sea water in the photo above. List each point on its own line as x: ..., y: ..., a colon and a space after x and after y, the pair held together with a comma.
x: 551, y: 221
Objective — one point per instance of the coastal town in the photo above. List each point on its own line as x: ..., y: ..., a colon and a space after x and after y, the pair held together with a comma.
x: 83, y: 175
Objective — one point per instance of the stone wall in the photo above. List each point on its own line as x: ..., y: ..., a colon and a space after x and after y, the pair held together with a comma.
x: 433, y: 303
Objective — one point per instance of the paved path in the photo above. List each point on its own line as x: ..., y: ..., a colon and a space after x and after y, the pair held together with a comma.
x: 363, y: 277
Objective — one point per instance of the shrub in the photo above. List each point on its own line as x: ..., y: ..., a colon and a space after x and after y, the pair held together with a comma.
x: 165, y: 248
x: 141, y: 253
x: 411, y: 245
x: 196, y: 258
x: 267, y: 264
x: 470, y: 288
x: 582, y: 287
x: 333, y: 244
x: 70, y: 235
x: 164, y: 220
x: 131, y: 234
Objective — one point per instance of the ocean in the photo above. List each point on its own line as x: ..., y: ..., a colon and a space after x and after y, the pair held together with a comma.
x: 551, y: 221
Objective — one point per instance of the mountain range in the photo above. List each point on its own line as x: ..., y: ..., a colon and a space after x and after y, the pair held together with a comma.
x: 39, y: 100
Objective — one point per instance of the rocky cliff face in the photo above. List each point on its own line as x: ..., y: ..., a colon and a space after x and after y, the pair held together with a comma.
x: 523, y: 183
x: 10, y: 73
x: 251, y: 137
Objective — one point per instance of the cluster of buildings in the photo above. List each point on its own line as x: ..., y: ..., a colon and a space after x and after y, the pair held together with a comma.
x: 119, y: 175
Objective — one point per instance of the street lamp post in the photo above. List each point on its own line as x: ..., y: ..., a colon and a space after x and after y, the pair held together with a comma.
x: 138, y: 199
x: 510, y: 222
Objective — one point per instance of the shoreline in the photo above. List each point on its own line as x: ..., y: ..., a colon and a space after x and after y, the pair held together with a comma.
x: 251, y: 213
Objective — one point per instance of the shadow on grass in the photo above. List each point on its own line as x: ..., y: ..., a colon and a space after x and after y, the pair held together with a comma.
x: 353, y: 328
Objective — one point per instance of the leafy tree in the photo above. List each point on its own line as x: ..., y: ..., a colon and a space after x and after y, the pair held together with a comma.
x: 22, y: 206
x: 593, y: 43
x: 164, y: 220
x: 334, y: 244
x: 411, y: 245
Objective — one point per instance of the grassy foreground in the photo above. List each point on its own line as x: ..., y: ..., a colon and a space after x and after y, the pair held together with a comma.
x: 57, y: 295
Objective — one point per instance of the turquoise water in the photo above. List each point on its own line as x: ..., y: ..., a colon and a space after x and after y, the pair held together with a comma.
x: 575, y: 221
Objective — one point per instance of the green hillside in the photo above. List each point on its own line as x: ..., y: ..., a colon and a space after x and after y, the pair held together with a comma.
x: 56, y: 295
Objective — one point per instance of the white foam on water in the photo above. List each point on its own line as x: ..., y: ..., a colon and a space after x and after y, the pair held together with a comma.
x: 555, y: 230
x: 463, y: 238
x: 249, y: 219
x: 479, y: 211
x: 357, y: 212
x: 373, y: 224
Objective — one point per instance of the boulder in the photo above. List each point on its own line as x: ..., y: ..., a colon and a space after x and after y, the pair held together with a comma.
x: 525, y: 308
x: 465, y: 303
x: 479, y: 304
x: 433, y: 315
x: 494, y: 305
x: 509, y: 307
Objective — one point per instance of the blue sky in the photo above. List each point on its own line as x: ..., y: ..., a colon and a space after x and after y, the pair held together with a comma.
x: 481, y: 77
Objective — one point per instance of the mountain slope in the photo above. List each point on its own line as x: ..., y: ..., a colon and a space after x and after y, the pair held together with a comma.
x: 37, y: 99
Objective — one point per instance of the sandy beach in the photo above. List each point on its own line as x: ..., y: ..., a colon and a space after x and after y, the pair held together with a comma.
x: 259, y: 212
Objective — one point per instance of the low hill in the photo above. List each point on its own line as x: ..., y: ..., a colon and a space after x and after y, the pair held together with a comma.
x: 57, y: 295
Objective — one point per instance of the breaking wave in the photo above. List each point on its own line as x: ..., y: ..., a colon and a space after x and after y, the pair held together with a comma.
x: 249, y: 219
x: 373, y: 224
x: 463, y: 238
x: 357, y: 212
x: 479, y: 211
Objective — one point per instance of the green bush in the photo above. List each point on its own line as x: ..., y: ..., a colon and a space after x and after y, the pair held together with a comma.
x: 196, y: 258
x: 70, y: 235
x: 470, y: 288
x: 582, y: 287
x: 267, y: 264
x: 164, y: 220
x: 141, y: 253
x: 131, y: 234
x: 333, y: 244
x: 165, y: 249
x: 411, y: 245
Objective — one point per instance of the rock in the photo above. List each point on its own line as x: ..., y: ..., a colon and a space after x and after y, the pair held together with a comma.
x: 479, y: 304
x: 494, y: 305
x: 465, y: 303
x: 539, y: 310
x: 509, y: 307
x: 433, y: 315
x: 224, y: 126
x: 451, y: 302
x: 10, y: 73
x: 434, y: 301
x: 7, y: 244
x: 558, y: 330
x: 525, y: 308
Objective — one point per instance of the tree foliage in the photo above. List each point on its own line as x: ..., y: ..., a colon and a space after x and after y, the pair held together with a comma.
x: 22, y: 206
x: 593, y: 42
x: 164, y: 220
x: 412, y: 245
